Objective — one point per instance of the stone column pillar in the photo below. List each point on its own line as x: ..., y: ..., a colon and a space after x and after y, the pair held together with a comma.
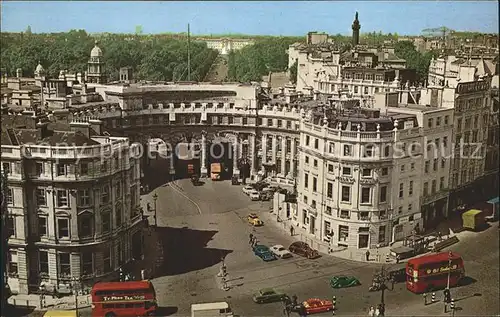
x: 203, y: 164
x: 283, y: 156
x: 253, y: 153
x: 292, y: 157
x: 236, y: 171
x: 264, y: 149
x: 273, y: 151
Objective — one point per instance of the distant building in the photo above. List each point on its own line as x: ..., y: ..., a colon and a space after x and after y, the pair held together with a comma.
x: 226, y: 45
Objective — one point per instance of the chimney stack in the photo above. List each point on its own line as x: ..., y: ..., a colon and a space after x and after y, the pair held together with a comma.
x: 81, y: 125
x: 19, y: 73
x: 42, y: 129
x: 96, y: 125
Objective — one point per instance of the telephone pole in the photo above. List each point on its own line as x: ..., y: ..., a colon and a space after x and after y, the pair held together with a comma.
x: 189, y: 55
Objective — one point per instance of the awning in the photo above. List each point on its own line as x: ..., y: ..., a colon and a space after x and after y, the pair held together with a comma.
x: 494, y: 200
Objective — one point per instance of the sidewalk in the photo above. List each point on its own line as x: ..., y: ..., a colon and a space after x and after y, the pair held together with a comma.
x: 379, y: 255
x: 50, y: 302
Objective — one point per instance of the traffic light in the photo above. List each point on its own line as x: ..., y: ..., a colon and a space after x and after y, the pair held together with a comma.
x: 447, y: 296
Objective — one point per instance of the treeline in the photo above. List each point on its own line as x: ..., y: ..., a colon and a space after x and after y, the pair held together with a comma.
x: 267, y: 55
x: 414, y: 59
x: 152, y: 57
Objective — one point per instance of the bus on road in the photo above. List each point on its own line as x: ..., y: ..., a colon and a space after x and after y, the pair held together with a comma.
x: 431, y: 272
x: 134, y: 298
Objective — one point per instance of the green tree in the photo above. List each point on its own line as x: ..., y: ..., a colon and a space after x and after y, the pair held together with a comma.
x: 293, y: 73
x: 414, y: 59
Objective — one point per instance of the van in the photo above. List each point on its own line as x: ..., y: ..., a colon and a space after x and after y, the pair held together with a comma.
x: 221, y: 309
x: 61, y: 313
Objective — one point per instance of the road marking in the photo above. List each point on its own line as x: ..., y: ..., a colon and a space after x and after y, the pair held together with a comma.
x: 185, y: 196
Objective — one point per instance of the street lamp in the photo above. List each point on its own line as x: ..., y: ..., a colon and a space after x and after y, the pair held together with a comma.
x: 450, y: 254
x: 155, y: 197
x: 74, y: 284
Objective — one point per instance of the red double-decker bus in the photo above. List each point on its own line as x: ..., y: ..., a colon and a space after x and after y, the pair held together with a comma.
x: 430, y: 272
x: 134, y: 298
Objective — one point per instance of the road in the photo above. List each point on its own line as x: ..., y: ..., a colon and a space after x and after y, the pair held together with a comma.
x: 199, y: 225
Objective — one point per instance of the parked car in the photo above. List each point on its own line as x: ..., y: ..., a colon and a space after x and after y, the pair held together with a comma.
x: 281, y: 252
x: 265, y: 196
x: 269, y: 295
x: 303, y: 249
x: 263, y: 252
x: 247, y: 189
x: 270, y: 188
x: 316, y: 305
x: 254, y: 220
x: 343, y: 281
x: 254, y: 195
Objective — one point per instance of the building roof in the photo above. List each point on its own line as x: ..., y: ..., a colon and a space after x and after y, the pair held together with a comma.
x: 96, y: 51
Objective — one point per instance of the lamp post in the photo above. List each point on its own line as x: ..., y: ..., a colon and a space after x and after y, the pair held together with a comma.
x: 74, y: 285
x: 449, y: 269
x: 155, y: 197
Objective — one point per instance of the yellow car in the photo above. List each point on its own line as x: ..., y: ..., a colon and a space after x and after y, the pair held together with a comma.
x: 254, y: 220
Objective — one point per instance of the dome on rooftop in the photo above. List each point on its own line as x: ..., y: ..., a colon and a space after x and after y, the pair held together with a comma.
x: 96, y: 51
x: 39, y: 69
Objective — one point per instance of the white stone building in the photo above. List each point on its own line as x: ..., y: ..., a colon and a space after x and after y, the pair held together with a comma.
x: 73, y: 203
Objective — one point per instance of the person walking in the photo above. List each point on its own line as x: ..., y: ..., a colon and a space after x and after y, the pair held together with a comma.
x: 367, y: 255
x: 251, y: 239
x: 371, y: 311
x: 377, y: 311
x: 398, y: 258
x: 291, y: 231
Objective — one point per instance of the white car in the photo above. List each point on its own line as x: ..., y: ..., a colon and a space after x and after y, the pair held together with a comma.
x: 254, y: 195
x: 280, y: 251
x: 247, y: 189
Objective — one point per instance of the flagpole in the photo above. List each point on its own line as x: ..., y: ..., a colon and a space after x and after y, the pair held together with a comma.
x: 189, y: 55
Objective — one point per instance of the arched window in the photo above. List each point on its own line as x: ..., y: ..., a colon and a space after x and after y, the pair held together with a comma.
x: 86, y: 224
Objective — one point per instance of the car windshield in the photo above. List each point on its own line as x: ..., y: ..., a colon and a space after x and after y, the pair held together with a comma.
x: 267, y: 292
x: 281, y: 249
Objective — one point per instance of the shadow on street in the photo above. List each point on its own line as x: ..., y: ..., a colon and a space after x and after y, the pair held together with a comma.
x: 184, y: 250
x: 166, y: 310
x: 16, y: 311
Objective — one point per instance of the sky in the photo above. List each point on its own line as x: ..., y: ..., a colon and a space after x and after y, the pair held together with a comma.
x: 248, y: 17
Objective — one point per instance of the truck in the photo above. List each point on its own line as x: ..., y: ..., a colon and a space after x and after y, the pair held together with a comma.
x: 473, y: 219
x: 221, y: 309
x: 215, y: 171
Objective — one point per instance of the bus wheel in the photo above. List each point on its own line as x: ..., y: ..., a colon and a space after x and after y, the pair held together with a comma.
x: 110, y: 315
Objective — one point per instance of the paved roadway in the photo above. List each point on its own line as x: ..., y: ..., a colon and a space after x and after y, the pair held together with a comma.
x: 221, y: 209
x: 197, y: 225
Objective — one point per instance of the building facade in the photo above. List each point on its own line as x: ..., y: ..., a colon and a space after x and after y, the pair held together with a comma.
x: 73, y: 204
x: 226, y: 45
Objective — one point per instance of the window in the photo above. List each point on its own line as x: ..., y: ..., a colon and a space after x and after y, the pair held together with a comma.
x: 62, y: 198
x: 343, y: 233
x: 6, y: 168
x: 402, y: 168
x: 315, y: 184
x: 118, y: 190
x: 244, y: 121
x: 365, y: 195
x: 329, y: 190
x: 446, y: 120
x: 381, y: 234
x: 43, y: 260
x: 433, y: 186
x: 387, y: 151
x: 438, y: 121
x: 346, y: 171
x: 346, y: 194
x: 84, y: 168
x: 87, y: 263
x: 367, y: 172
x: 328, y: 210
x: 84, y: 197
x: 412, y: 166
x: 42, y: 226
x: 306, y: 180
x: 106, y: 221
x: 344, y: 214
x: 315, y: 163
x: 10, y: 196
x: 426, y: 188
x: 385, y: 171
x: 118, y: 215
x: 368, y: 151
x: 327, y: 227
x: 308, y: 139
x: 40, y: 197
x: 426, y: 168
x: 410, y: 188
x: 279, y: 123
x: 38, y: 168
x: 347, y: 150
x: 313, y: 204
x: 330, y: 168
x: 331, y: 147
x: 307, y: 159
x: 13, y: 270
x: 445, y: 141
x: 63, y: 228
x: 435, y: 165
x: 316, y: 143
x: 363, y: 216
x: 401, y: 190
x: 269, y: 122
x: 105, y: 194
x: 410, y: 207
x: 430, y: 122
x: 104, y: 166
x: 383, y: 194
x: 106, y: 256
x: 85, y: 225
x: 400, y: 209
x: 64, y: 264
x: 441, y: 183
x: 11, y: 226
x: 61, y: 169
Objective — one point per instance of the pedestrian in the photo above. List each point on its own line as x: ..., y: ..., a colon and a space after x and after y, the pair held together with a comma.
x: 377, y: 311
x: 393, y: 282
x: 381, y: 310
x: 148, y: 207
x: 367, y: 255
x: 251, y: 239
x: 294, y: 300
x: 291, y: 231
x: 398, y: 257
x: 143, y: 274
x: 371, y: 311
x: 425, y: 299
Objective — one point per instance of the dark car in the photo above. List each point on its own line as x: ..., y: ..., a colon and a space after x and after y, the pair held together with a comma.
x: 264, y: 253
x: 303, y: 249
x: 265, y: 196
x: 269, y: 295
